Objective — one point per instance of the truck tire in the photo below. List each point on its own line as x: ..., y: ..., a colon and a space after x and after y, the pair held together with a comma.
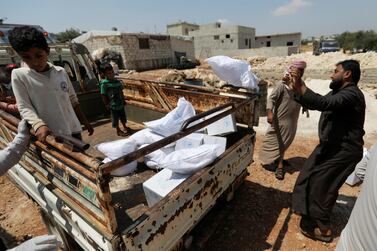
x: 69, y: 244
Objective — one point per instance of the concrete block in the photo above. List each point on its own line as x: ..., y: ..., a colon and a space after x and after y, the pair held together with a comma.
x: 162, y: 183
x: 190, y: 141
x: 223, y: 126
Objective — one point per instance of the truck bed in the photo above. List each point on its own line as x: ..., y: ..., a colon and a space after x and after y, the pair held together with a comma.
x: 127, y: 191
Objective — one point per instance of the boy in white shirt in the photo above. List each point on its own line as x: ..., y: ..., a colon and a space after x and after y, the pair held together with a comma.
x: 45, y: 96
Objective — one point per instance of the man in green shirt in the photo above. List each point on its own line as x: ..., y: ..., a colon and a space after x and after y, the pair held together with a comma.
x: 112, y: 95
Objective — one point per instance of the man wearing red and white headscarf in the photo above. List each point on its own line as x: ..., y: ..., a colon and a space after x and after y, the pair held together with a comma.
x: 282, y: 115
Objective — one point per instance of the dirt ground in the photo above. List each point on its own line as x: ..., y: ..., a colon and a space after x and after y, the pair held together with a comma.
x: 258, y: 218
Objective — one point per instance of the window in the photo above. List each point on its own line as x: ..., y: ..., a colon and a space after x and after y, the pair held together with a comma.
x: 231, y: 40
x: 222, y: 41
x: 218, y: 25
x: 289, y: 43
x: 143, y: 43
x: 246, y: 41
x: 268, y: 44
x: 227, y: 36
x: 216, y: 37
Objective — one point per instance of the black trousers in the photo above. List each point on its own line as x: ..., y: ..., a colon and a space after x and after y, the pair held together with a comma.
x: 320, y: 179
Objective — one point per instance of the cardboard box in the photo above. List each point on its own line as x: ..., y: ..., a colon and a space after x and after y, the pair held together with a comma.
x: 222, y: 126
x: 159, y: 185
x: 208, y: 139
x: 190, y: 141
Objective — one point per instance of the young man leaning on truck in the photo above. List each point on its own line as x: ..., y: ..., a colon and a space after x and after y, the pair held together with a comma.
x: 45, y: 96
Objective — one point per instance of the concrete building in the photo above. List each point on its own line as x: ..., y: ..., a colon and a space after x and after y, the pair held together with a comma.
x: 286, y: 39
x: 217, y: 36
x: 182, y: 46
x: 140, y: 51
x: 181, y: 28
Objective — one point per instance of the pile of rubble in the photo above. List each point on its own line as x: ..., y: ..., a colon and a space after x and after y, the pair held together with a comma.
x: 206, y: 76
x: 324, y: 61
x: 271, y: 68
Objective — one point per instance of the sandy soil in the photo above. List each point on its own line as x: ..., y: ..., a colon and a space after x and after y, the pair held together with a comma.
x: 259, y: 216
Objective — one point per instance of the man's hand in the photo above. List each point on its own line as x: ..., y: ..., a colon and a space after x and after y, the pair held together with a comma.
x: 40, y: 243
x: 296, y: 81
x: 286, y: 78
x: 270, y: 116
x: 42, y: 133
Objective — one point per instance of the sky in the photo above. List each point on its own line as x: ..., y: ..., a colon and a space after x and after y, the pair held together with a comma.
x: 310, y: 17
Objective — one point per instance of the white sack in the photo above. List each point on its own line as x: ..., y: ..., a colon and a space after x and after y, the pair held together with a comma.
x: 147, y: 136
x: 188, y: 161
x: 153, y: 159
x: 171, y: 123
x: 116, y: 149
x: 123, y: 170
x: 235, y: 72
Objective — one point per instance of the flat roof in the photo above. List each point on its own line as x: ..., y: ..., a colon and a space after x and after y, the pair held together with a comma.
x: 280, y: 34
x: 180, y: 23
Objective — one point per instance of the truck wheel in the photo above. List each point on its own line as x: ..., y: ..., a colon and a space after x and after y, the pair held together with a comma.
x: 53, y: 228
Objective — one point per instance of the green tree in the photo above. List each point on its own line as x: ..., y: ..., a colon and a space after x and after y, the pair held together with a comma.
x: 361, y: 40
x: 67, y: 35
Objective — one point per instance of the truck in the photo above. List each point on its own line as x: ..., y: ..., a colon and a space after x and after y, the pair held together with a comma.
x: 89, y: 209
x: 325, y: 45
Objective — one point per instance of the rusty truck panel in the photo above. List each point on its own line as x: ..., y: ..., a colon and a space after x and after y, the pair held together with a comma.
x: 163, y: 97
x: 180, y: 210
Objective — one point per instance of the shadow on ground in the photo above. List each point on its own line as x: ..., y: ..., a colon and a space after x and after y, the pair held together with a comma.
x: 248, y: 220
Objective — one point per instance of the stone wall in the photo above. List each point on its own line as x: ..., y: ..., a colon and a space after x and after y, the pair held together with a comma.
x: 158, y: 55
x: 182, y: 45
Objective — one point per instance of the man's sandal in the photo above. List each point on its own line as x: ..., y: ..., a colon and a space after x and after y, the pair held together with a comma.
x: 279, y: 173
x: 122, y: 134
x: 316, y: 234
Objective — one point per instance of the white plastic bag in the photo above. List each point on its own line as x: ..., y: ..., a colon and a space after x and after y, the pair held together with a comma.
x: 171, y: 123
x: 123, y: 170
x: 147, y: 136
x: 118, y: 148
x: 153, y: 159
x: 188, y: 161
x: 235, y: 72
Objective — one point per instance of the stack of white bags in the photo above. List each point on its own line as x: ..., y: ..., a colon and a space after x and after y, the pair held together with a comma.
x: 185, y: 156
